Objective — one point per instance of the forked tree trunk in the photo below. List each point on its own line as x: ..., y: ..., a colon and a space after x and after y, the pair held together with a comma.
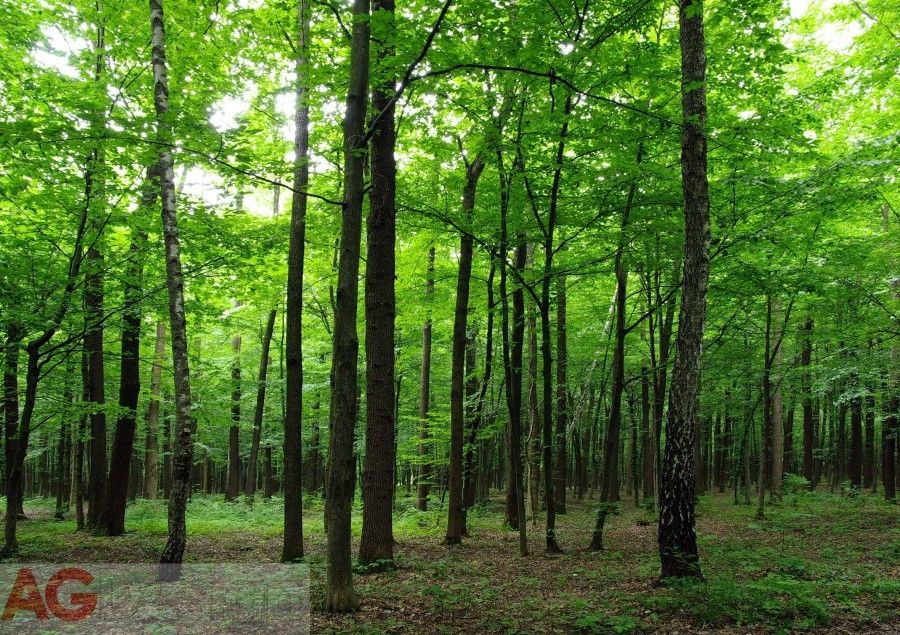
x: 184, y: 420
x: 339, y: 594
x: 677, y: 536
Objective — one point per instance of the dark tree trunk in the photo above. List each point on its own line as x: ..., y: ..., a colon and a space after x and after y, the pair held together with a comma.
x: 233, y: 477
x: 457, y: 369
x: 253, y: 460
x: 339, y: 594
x: 292, y: 548
x: 78, y: 452
x: 561, y: 396
x: 113, y: 518
x: 93, y: 341
x: 647, y: 445
x: 424, y: 484
x: 184, y: 420
x: 151, y: 456
x: 677, y: 537
x: 379, y: 481
x: 534, y: 416
x: 809, y: 472
x: 14, y: 337
x: 63, y: 448
x: 856, y: 441
x: 869, y: 450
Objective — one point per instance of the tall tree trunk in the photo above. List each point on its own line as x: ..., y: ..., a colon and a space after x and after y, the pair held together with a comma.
x: 253, y: 460
x: 233, y: 482
x: 377, y: 543
x: 339, y: 594
x: 856, y: 441
x: 890, y: 427
x: 777, y: 427
x: 806, y: 396
x: 561, y: 396
x: 63, y: 449
x: 647, y: 447
x: 424, y: 484
x: 764, y: 475
x: 14, y: 336
x: 184, y: 420
x: 151, y: 455
x: 534, y: 415
x: 869, y: 450
x: 677, y: 537
x: 292, y: 548
x: 457, y: 363
x: 112, y: 520
x: 78, y: 452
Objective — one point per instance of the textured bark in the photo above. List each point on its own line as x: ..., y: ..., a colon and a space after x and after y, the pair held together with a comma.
x: 424, y: 484
x: 677, y: 536
x: 233, y: 478
x: 561, y: 396
x: 253, y: 460
x: 292, y: 547
x: 457, y: 363
x: 151, y: 455
x: 112, y: 520
x: 93, y: 341
x: 339, y: 594
x: 184, y: 420
x: 377, y: 542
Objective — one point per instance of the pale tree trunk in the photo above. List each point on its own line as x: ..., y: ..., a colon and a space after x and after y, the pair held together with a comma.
x: 292, y: 548
x: 677, y: 535
x: 339, y: 594
x: 184, y: 420
x: 151, y: 459
x: 379, y: 479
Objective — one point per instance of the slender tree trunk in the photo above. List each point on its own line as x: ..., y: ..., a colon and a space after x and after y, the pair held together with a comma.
x: 457, y: 372
x: 112, y: 521
x: 677, y: 537
x: 377, y: 543
x: 63, y: 449
x: 339, y: 594
x: 185, y: 424
x: 11, y: 400
x: 78, y: 452
x: 805, y: 391
x: 869, y: 450
x: 424, y: 484
x: 856, y: 442
x: 561, y: 396
x: 233, y: 482
x: 253, y: 460
x: 777, y: 426
x: 292, y: 548
x: 93, y: 339
x: 151, y: 461
x: 534, y: 416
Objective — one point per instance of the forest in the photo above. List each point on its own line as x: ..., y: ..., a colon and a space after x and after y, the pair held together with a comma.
x: 485, y: 316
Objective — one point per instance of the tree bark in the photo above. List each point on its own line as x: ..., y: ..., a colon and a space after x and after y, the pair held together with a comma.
x: 424, y: 484
x: 561, y: 396
x: 112, y: 521
x: 292, y: 547
x: 339, y: 594
x: 458, y: 355
x: 233, y: 482
x: 379, y: 480
x: 184, y: 419
x: 806, y: 396
x: 677, y: 537
x: 151, y: 459
x: 253, y: 460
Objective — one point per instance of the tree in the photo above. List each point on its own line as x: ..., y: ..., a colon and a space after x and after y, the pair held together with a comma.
x: 293, y: 455
x: 677, y: 537
x: 424, y: 484
x: 377, y: 543
x: 339, y: 594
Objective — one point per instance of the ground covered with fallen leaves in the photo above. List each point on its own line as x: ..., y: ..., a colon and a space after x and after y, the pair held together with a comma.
x: 819, y: 562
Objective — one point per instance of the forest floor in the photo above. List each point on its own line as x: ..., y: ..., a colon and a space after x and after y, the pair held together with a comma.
x: 818, y: 563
